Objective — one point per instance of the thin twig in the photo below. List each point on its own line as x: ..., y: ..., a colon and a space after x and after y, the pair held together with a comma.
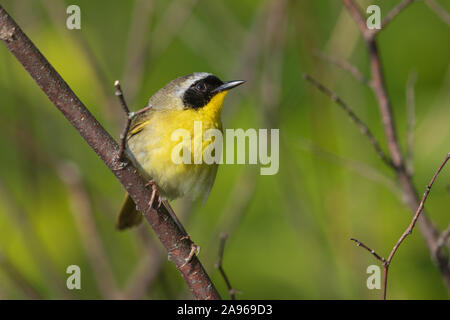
x: 410, y: 228
x: 378, y: 84
x: 437, y: 8
x: 123, y: 104
x: 386, y: 262
x: 362, y: 245
x: 393, y: 13
x: 357, y: 15
x: 429, y: 231
x: 107, y: 149
x: 345, y: 66
x: 362, y: 126
x: 130, y: 116
x: 231, y: 291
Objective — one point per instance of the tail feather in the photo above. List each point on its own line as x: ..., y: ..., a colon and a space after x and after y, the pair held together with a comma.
x: 128, y: 216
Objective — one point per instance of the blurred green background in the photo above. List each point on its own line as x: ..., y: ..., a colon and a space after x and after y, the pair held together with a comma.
x: 288, y: 233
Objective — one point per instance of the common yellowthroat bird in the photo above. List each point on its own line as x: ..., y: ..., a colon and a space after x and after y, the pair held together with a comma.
x: 196, y: 97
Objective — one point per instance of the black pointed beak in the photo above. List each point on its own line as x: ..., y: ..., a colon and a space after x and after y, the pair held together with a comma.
x: 227, y: 86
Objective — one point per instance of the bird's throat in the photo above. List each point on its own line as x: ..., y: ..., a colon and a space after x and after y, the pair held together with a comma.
x: 214, y: 107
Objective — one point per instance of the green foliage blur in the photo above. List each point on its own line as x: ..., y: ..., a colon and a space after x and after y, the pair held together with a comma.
x: 288, y: 233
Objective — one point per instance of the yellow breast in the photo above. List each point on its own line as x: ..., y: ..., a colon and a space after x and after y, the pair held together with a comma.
x: 151, y: 149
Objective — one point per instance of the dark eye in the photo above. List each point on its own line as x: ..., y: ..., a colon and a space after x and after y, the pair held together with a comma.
x: 200, y: 86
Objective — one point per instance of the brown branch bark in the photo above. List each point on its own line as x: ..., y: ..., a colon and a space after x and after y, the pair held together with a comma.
x: 107, y: 149
x: 378, y: 85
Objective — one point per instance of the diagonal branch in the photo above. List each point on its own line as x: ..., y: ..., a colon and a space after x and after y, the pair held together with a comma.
x: 362, y: 126
x: 107, y: 149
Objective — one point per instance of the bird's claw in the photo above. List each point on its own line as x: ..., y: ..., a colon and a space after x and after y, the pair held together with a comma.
x: 194, y: 248
x: 155, y: 194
